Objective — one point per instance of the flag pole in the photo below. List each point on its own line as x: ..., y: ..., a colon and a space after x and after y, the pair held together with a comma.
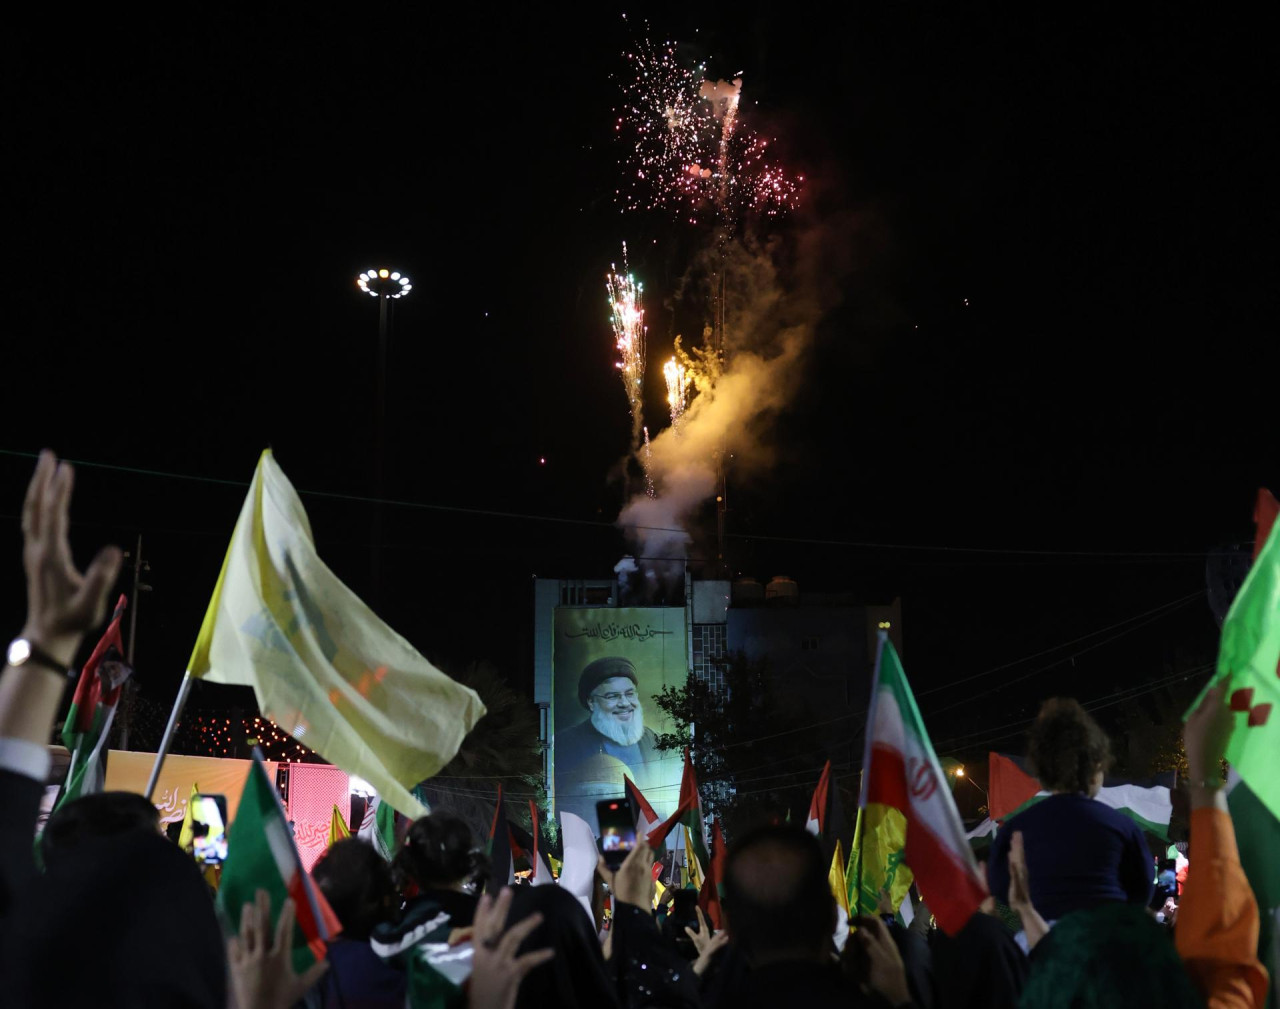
x: 174, y: 715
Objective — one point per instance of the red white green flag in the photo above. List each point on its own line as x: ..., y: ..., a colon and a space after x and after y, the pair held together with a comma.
x: 646, y: 818
x: 93, y: 709
x: 901, y: 775
x: 261, y: 855
x: 713, y: 885
x: 817, y: 821
x: 689, y: 813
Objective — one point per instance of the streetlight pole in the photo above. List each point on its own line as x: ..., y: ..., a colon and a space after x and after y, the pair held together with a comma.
x: 385, y: 285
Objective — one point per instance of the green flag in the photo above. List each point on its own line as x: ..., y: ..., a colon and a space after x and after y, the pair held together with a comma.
x: 261, y: 855
x: 1249, y: 665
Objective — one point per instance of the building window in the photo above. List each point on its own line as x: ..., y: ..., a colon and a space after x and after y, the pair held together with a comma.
x: 809, y: 644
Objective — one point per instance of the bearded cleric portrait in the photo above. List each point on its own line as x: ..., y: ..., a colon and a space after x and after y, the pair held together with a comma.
x: 609, y: 690
x: 609, y: 665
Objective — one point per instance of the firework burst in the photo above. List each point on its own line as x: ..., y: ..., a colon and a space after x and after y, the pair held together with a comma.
x: 685, y: 147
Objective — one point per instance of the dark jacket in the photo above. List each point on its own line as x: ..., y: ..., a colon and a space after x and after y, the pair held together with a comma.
x: 1080, y: 854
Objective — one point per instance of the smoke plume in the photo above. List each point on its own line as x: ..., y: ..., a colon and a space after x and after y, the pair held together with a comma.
x: 775, y: 295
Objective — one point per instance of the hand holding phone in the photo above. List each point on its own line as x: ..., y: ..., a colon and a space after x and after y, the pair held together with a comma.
x: 617, y: 823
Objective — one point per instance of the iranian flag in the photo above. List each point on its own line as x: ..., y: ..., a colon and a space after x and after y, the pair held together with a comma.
x: 901, y: 774
x: 261, y: 855
x: 93, y: 709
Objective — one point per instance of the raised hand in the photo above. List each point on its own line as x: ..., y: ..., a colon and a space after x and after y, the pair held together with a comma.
x: 633, y: 882
x: 1020, y: 892
x: 262, y: 974
x: 62, y: 603
x: 496, y: 971
x: 1205, y: 738
x: 706, y: 942
x: 885, y: 971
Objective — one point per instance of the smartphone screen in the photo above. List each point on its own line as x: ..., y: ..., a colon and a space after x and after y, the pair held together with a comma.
x: 209, y: 828
x: 617, y: 823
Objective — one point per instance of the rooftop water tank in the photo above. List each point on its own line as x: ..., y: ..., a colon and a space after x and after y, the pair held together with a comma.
x: 782, y: 590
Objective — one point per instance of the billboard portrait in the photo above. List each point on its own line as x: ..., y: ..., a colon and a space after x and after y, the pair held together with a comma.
x: 607, y: 667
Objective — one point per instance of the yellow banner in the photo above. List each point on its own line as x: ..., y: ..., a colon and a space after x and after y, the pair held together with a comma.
x: 128, y: 771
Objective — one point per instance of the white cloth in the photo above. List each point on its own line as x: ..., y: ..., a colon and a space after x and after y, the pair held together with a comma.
x: 21, y: 756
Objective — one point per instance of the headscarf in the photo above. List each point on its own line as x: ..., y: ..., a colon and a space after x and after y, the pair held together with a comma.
x: 1110, y: 955
x: 577, y: 976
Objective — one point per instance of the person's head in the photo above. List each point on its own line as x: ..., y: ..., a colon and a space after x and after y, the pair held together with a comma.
x: 439, y: 853
x: 1067, y: 749
x: 90, y: 819
x: 356, y: 881
x: 1113, y: 954
x: 576, y: 976
x: 609, y: 690
x: 776, y: 895
x: 1169, y: 865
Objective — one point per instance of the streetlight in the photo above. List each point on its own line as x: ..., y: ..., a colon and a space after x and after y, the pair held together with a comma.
x: 960, y: 774
x: 385, y: 285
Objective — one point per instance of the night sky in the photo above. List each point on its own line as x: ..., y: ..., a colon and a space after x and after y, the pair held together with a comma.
x: 1055, y: 331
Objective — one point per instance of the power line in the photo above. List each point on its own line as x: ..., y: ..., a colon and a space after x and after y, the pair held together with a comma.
x: 615, y: 526
x: 1054, y: 648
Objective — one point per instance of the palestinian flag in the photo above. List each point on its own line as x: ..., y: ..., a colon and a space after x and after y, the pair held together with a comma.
x: 713, y: 886
x: 646, y: 818
x: 1148, y: 803
x: 689, y: 813
x: 261, y: 855
x: 93, y: 709
x: 817, y: 821
x: 541, y: 875
x: 338, y: 830
x: 901, y: 775
x: 498, y: 848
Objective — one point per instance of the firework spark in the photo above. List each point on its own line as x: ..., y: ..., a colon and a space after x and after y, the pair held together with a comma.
x: 686, y: 149
x: 677, y: 390
x: 627, y: 319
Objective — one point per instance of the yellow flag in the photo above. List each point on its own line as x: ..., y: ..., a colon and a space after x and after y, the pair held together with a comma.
x: 880, y: 844
x: 322, y: 664
x: 337, y: 827
x: 695, y: 870
x: 186, y: 836
x: 658, y: 891
x: 835, y: 876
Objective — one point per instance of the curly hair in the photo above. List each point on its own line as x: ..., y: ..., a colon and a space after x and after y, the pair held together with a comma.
x: 1066, y: 747
x: 438, y: 851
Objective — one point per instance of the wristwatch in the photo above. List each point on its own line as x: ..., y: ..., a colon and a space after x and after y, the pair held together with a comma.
x: 25, y: 652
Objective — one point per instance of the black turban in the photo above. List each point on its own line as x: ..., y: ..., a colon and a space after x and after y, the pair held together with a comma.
x: 599, y: 671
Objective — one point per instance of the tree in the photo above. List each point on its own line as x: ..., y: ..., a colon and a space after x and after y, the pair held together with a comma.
x: 503, y: 747
x: 752, y: 746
